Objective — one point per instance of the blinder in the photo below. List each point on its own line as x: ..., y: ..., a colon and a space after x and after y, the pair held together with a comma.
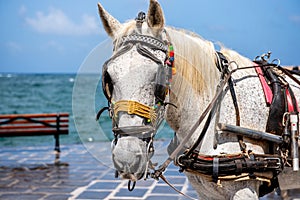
x: 107, y: 85
x: 161, y: 88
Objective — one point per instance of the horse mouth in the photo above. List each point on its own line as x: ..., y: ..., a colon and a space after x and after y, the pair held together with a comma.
x: 130, y: 177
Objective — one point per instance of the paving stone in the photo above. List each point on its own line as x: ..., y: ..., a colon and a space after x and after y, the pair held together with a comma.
x: 164, y: 197
x: 72, y: 183
x: 146, y: 183
x: 22, y: 196
x: 173, y: 173
x: 57, y: 197
x: 175, y: 180
x: 103, y: 185
x: 165, y: 189
x: 59, y: 190
x: 18, y: 190
x: 6, y: 183
x: 93, y: 195
x: 135, y: 193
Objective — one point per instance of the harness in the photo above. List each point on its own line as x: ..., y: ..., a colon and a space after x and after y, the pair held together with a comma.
x: 247, y: 165
x: 282, y: 128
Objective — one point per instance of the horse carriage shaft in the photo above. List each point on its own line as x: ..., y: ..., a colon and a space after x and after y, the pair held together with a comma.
x: 259, y: 135
x: 294, y: 141
x: 254, y: 134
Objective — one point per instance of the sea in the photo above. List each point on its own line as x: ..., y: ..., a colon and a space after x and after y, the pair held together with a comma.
x: 80, y: 95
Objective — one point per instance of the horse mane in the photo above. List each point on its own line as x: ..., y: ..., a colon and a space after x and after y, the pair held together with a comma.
x: 195, y: 62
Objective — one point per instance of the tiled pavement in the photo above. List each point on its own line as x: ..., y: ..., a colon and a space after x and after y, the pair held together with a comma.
x: 30, y: 173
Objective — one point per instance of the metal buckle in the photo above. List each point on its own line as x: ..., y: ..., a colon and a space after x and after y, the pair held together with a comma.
x: 178, y: 161
x: 278, y: 164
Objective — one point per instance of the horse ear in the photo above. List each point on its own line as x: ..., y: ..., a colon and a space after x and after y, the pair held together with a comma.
x: 110, y: 24
x: 155, y: 16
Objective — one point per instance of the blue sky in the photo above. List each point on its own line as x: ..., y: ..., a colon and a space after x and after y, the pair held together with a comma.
x: 56, y: 36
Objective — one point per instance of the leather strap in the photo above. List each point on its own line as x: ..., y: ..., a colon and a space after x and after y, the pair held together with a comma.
x: 174, y: 188
x: 215, y: 174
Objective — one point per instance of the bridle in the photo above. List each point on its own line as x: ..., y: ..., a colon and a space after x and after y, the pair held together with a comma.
x: 153, y: 114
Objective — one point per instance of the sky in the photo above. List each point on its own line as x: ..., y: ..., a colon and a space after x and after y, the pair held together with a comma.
x: 54, y: 36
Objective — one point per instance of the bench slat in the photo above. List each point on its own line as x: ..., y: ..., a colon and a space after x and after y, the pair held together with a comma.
x: 23, y: 121
x: 39, y: 115
x: 30, y: 126
x: 33, y: 132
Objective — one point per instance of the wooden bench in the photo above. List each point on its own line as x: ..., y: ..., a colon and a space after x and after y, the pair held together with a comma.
x: 56, y: 124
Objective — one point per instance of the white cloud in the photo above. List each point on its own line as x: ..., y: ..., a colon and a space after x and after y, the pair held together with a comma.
x: 57, y: 22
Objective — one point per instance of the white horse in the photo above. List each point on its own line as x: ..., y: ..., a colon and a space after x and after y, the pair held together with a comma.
x: 139, y: 86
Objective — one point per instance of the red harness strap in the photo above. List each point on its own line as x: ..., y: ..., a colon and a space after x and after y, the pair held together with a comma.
x: 267, y: 90
x: 290, y: 102
x: 269, y: 94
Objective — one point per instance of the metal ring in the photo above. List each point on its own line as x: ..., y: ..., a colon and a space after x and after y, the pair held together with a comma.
x: 266, y: 56
x: 178, y: 162
x: 276, y: 60
x: 131, y: 188
x: 285, y: 118
x: 257, y: 58
x: 229, y: 64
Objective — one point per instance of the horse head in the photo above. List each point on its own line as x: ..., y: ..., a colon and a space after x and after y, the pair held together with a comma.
x: 135, y: 82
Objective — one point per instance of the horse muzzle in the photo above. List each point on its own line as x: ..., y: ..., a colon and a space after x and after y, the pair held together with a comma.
x: 130, y: 156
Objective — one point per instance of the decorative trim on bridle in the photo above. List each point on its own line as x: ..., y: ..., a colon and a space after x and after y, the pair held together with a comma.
x: 147, y: 40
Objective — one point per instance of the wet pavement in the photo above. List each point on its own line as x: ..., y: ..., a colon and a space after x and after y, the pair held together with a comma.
x: 31, y: 173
